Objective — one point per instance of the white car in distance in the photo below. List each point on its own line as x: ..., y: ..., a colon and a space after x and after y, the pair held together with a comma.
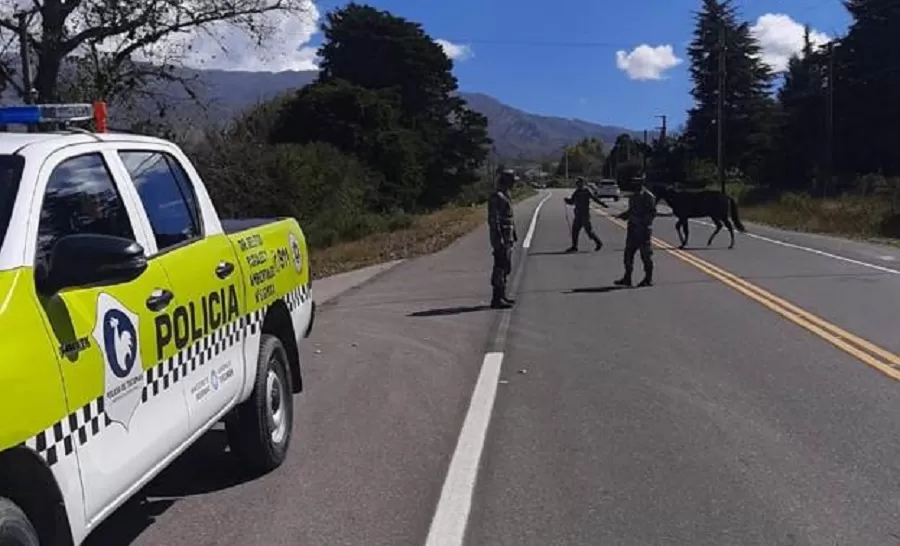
x: 607, y: 188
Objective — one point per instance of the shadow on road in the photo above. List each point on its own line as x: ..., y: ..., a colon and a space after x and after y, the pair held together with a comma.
x: 556, y: 253
x: 204, y: 468
x: 595, y: 290
x: 447, y: 311
x: 605, y: 249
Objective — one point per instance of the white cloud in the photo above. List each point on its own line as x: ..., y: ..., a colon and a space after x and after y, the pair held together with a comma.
x: 227, y: 47
x: 780, y: 37
x: 647, y: 63
x: 457, y: 52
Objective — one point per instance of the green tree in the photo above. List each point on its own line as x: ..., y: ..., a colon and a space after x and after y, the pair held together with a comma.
x: 433, y: 145
x: 866, y: 84
x: 748, y: 107
x: 585, y: 158
x: 668, y: 161
x: 801, y: 119
x: 325, y: 188
x: 362, y: 122
x: 626, y: 155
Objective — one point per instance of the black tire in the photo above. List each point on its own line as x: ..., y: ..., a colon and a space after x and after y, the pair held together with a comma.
x: 15, y: 528
x: 249, y: 427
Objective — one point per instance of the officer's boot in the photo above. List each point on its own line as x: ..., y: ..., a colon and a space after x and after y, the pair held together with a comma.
x: 574, y: 247
x: 648, y: 275
x: 508, y: 300
x: 499, y: 301
x: 625, y: 280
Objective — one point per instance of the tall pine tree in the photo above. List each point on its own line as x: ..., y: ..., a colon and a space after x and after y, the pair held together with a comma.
x: 866, y: 86
x: 801, y: 133
x: 748, y: 110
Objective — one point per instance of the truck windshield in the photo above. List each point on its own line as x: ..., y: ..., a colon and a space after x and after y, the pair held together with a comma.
x: 10, y: 173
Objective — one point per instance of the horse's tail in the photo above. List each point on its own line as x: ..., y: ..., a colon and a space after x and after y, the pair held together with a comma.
x: 734, y: 215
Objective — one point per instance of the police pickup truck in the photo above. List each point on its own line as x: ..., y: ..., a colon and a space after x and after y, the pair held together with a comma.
x: 133, y: 319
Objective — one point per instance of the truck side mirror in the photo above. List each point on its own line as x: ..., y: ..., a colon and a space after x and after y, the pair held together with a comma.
x: 89, y: 260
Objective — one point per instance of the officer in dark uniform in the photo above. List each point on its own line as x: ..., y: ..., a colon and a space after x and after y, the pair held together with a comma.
x: 640, y: 215
x: 502, y: 228
x: 582, y: 200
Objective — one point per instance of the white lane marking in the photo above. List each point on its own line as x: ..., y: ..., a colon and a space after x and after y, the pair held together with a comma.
x: 528, y: 236
x: 448, y: 527
x: 811, y: 250
x: 786, y: 244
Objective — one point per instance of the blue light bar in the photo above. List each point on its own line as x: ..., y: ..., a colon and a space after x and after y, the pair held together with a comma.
x: 34, y: 114
x: 22, y: 115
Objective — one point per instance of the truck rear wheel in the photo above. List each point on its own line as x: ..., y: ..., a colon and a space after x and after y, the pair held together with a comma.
x: 259, y: 430
x: 15, y: 528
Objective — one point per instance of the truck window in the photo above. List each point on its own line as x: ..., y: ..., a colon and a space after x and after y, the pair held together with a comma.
x: 10, y: 173
x: 167, y: 196
x: 81, y: 197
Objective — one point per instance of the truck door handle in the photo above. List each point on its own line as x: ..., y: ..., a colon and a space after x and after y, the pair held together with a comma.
x: 159, y: 299
x: 224, y: 269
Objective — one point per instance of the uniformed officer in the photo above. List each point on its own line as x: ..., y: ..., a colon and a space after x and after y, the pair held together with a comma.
x: 582, y: 198
x: 640, y: 215
x: 502, y: 228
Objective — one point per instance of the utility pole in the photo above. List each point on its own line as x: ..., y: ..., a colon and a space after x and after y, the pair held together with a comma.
x: 720, y: 106
x: 662, y: 128
x: 829, y: 122
x: 644, y: 169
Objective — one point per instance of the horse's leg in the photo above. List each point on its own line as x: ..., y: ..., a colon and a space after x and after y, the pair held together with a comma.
x: 730, y: 229
x: 683, y: 222
x: 718, y: 223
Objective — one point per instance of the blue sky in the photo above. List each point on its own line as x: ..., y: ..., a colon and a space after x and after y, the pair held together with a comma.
x: 561, y: 58
x: 618, y: 63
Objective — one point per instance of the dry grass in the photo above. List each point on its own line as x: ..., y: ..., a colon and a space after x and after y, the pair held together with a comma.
x: 850, y: 216
x: 427, y: 234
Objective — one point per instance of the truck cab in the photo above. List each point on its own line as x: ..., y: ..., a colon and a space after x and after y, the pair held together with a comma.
x: 133, y: 319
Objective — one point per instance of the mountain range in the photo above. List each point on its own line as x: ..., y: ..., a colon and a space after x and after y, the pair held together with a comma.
x: 516, y: 134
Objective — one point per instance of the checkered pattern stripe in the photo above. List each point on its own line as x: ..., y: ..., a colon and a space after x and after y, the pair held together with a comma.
x: 298, y: 296
x: 59, y: 440
x: 169, y: 372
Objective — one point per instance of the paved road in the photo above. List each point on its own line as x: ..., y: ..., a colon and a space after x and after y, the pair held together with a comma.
x: 721, y: 406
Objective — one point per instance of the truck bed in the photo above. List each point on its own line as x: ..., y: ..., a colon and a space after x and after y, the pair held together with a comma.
x: 236, y: 225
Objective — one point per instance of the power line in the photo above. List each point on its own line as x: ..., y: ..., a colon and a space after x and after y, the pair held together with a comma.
x: 539, y: 43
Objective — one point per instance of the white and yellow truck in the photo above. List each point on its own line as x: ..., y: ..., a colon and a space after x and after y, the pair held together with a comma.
x: 133, y: 319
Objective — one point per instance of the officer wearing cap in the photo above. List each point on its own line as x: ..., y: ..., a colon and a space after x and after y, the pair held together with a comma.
x: 502, y: 229
x: 582, y: 198
x: 640, y: 215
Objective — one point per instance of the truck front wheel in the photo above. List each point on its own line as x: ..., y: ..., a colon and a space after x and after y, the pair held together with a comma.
x: 259, y: 430
x: 15, y: 529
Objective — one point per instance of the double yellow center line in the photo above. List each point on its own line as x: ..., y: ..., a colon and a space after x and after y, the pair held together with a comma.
x: 880, y: 359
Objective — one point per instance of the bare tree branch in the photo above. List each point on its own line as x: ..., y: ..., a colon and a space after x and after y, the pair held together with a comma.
x: 112, y: 37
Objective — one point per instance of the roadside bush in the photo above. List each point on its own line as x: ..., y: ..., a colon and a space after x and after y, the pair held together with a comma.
x: 323, y: 188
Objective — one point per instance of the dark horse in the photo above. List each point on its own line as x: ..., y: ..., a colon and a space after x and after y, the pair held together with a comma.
x: 700, y: 204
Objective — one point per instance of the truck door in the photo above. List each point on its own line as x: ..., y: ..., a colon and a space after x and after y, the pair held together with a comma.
x: 204, y: 327
x: 126, y: 426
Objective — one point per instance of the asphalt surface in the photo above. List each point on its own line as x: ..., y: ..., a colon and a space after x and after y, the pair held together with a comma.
x: 684, y: 413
